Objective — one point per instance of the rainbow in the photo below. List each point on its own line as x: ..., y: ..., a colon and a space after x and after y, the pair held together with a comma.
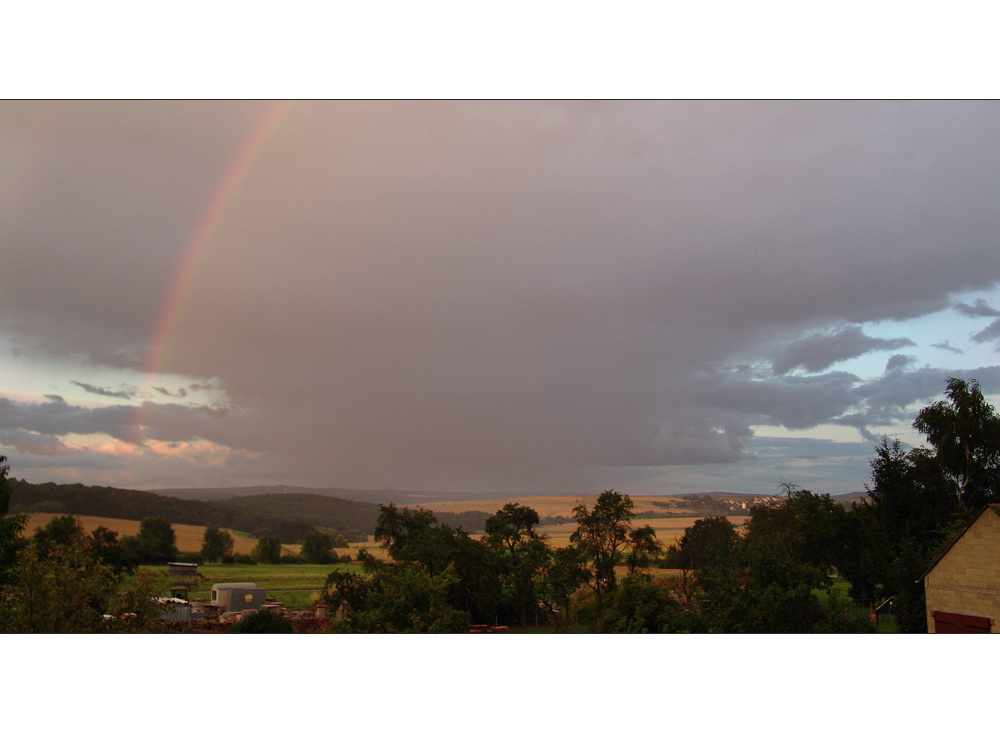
x: 226, y: 194
x: 229, y: 190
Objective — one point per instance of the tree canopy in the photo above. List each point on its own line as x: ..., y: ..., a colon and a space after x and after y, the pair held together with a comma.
x: 216, y: 544
x: 602, y: 534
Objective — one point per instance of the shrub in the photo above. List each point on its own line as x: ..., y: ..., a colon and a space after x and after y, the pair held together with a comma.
x: 157, y: 541
x: 317, y: 548
x: 240, y: 559
x: 263, y: 622
x: 268, y: 550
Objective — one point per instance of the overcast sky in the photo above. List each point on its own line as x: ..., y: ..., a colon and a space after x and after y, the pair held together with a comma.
x: 511, y: 297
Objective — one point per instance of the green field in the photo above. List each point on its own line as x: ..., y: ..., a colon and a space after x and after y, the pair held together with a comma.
x: 297, y: 586
x: 840, y: 588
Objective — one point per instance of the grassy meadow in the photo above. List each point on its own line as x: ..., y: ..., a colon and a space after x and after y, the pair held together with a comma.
x: 297, y: 586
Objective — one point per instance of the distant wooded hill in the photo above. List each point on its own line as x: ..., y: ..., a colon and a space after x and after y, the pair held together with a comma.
x: 373, y: 496
x: 289, y: 516
x: 106, y: 501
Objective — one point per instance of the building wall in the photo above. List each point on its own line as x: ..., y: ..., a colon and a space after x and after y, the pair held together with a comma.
x: 235, y: 599
x: 967, y: 579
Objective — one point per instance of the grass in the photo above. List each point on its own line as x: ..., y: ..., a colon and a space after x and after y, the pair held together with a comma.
x: 840, y: 587
x: 297, y: 586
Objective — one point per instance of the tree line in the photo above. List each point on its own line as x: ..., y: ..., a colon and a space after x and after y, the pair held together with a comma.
x: 288, y: 516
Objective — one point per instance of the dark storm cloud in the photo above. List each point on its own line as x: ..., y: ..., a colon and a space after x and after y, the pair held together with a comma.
x: 888, y: 397
x: 499, y: 295
x: 899, y: 361
x: 817, y: 352
x: 122, y: 394
x: 979, y: 308
x: 990, y: 333
x: 33, y: 443
x: 946, y: 346
x: 181, y: 392
x: 793, y: 402
x: 162, y: 422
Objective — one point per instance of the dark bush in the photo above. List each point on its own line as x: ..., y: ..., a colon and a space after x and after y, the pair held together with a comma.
x: 268, y: 550
x: 263, y: 622
x: 240, y: 559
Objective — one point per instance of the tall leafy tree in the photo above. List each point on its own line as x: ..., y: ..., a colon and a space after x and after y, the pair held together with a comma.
x: 156, y: 541
x: 216, y: 544
x: 912, y: 509
x: 965, y: 434
x: 399, y: 598
x: 11, y: 526
x: 510, y: 525
x: 640, y: 547
x: 59, y: 531
x: 267, y: 550
x: 105, y: 548
x: 709, y: 541
x: 565, y: 572
x: 810, y: 526
x: 521, y: 554
x: 317, y: 548
x: 414, y: 536
x: 602, y: 534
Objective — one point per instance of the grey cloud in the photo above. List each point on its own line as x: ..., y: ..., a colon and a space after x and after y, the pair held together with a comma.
x: 945, y: 346
x: 889, y: 397
x: 841, y: 398
x: 495, y: 295
x: 793, y: 402
x: 33, y: 443
x: 816, y: 352
x: 979, y: 308
x: 122, y: 394
x: 899, y: 361
x: 989, y: 333
x: 181, y: 392
x: 131, y: 424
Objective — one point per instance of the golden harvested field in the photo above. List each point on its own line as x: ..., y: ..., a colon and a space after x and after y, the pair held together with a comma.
x: 548, y: 506
x: 189, y: 536
x: 667, y: 530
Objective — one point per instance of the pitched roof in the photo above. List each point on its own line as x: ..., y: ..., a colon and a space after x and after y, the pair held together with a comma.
x: 947, y: 548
